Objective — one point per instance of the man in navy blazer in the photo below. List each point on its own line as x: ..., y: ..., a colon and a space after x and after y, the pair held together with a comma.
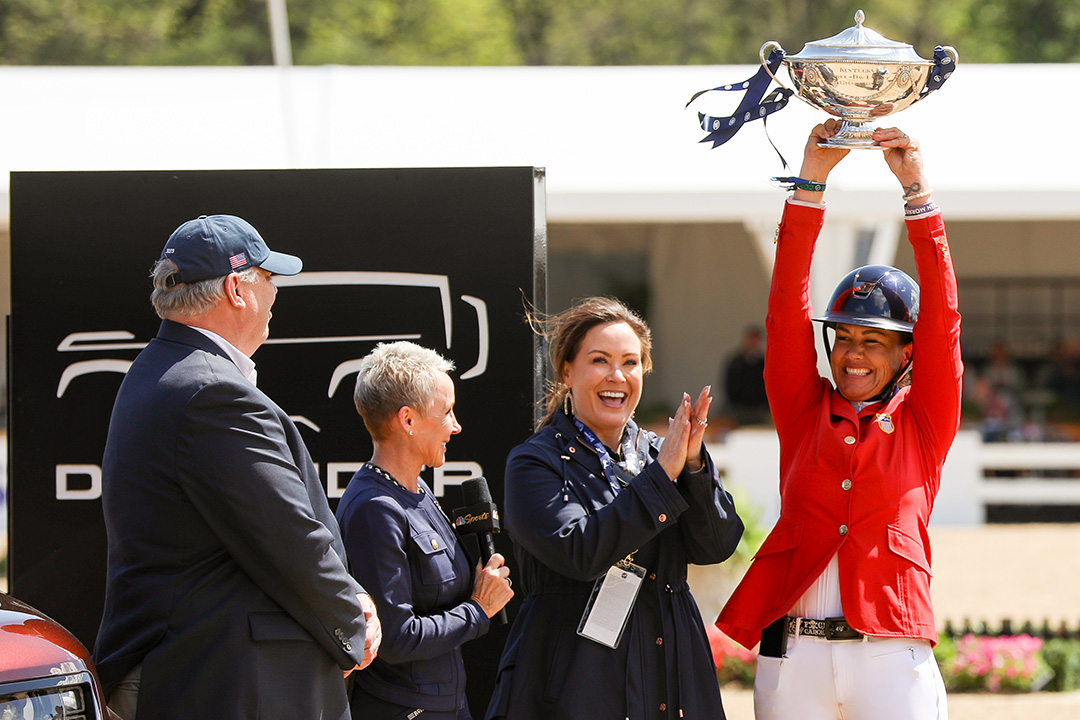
x: 227, y: 593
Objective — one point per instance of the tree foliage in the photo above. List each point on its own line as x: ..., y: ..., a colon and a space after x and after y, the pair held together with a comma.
x: 515, y: 32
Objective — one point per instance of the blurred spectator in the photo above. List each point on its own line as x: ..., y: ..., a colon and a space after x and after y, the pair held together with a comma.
x: 744, y: 382
x: 997, y: 391
x: 1061, y: 376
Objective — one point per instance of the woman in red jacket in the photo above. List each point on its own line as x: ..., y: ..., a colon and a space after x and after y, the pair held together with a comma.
x: 839, y: 593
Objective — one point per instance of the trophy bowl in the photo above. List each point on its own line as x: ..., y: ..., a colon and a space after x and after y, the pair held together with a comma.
x: 858, y: 76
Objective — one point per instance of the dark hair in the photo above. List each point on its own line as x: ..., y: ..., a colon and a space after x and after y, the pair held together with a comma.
x: 565, y: 331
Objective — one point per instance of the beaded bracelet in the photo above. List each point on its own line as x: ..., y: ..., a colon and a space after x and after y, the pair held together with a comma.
x: 916, y: 196
x: 798, y: 183
x: 918, y: 211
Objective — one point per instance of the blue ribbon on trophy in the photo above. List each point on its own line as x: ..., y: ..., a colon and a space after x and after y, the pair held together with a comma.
x: 943, y: 69
x: 754, y: 104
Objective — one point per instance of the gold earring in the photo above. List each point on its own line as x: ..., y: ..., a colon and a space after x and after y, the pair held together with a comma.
x: 568, y: 403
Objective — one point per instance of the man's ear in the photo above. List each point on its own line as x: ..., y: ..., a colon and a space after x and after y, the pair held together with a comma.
x: 232, y: 291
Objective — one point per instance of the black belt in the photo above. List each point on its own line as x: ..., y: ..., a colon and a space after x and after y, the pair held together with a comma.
x: 828, y: 629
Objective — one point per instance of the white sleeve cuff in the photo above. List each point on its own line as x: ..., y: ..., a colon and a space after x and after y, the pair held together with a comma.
x: 805, y: 204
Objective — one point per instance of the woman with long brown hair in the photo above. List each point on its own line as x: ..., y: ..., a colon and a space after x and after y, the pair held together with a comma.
x: 604, y: 519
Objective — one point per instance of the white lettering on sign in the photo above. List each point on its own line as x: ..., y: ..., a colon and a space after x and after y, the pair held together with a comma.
x: 452, y: 472
x: 64, y: 489
x: 71, y: 479
x: 338, y: 476
x: 455, y: 473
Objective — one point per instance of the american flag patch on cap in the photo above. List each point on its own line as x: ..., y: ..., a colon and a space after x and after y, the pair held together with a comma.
x: 237, y: 260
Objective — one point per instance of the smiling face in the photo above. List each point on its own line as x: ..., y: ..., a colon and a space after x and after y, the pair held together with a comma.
x: 605, y: 379
x: 865, y: 359
x: 432, y: 430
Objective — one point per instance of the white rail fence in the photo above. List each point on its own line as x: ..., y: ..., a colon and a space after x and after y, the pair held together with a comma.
x: 750, y: 461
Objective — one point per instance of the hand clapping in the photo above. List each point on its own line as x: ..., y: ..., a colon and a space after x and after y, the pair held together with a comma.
x: 682, y: 445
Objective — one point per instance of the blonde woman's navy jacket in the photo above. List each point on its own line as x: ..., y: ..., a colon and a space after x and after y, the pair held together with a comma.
x: 860, y: 485
x: 568, y: 528
x: 403, y: 550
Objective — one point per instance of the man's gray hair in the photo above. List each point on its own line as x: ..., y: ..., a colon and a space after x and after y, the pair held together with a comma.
x: 173, y: 299
x: 395, y: 375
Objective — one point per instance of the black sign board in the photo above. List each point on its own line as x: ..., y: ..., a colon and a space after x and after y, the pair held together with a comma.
x: 447, y: 258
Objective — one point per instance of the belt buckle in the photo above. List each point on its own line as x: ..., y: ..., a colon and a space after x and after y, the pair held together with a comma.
x: 838, y: 629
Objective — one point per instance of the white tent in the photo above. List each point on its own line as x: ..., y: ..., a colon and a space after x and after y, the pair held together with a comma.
x: 619, y: 149
x: 617, y: 142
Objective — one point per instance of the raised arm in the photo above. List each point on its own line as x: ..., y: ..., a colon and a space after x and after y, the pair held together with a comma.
x: 937, y: 374
x: 791, y: 375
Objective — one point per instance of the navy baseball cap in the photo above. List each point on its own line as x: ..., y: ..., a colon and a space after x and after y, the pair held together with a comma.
x: 216, y: 245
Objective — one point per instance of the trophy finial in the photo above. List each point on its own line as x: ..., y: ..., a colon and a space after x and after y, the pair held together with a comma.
x: 859, y: 17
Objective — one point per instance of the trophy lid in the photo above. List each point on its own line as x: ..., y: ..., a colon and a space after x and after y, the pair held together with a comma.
x: 859, y: 44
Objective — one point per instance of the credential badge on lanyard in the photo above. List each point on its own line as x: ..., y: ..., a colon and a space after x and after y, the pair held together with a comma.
x: 612, y: 599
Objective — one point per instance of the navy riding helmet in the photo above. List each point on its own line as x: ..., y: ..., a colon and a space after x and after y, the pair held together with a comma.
x: 877, y: 296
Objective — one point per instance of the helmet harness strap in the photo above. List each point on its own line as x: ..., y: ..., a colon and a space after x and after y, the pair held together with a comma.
x: 825, y: 339
x: 891, y: 386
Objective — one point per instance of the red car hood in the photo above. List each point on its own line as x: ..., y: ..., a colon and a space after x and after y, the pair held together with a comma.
x: 34, y: 645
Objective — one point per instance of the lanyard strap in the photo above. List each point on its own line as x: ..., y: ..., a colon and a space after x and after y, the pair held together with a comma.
x: 613, y: 470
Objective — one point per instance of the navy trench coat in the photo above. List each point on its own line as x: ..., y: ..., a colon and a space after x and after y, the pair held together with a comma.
x: 568, y: 528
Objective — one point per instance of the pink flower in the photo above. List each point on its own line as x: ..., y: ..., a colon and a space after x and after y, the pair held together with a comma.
x: 723, y: 647
x: 995, y: 663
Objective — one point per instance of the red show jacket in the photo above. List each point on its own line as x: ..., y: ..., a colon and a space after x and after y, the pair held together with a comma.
x: 857, y: 485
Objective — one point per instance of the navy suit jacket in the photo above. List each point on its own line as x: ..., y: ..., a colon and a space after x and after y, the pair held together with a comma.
x: 227, y: 576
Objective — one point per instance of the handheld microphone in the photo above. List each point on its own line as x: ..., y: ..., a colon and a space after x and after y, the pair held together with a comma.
x: 479, y: 517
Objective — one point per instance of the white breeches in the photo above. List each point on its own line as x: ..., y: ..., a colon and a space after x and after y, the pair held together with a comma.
x: 871, y: 679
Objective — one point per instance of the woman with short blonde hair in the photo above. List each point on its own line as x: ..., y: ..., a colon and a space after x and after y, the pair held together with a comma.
x: 402, y: 548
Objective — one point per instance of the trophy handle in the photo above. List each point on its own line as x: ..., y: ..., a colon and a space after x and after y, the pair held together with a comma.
x: 763, y: 56
x: 951, y: 52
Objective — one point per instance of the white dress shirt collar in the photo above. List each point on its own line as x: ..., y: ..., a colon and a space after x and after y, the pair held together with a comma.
x: 242, y: 361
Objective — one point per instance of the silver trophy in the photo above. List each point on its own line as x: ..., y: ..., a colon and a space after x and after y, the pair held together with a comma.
x: 858, y: 76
